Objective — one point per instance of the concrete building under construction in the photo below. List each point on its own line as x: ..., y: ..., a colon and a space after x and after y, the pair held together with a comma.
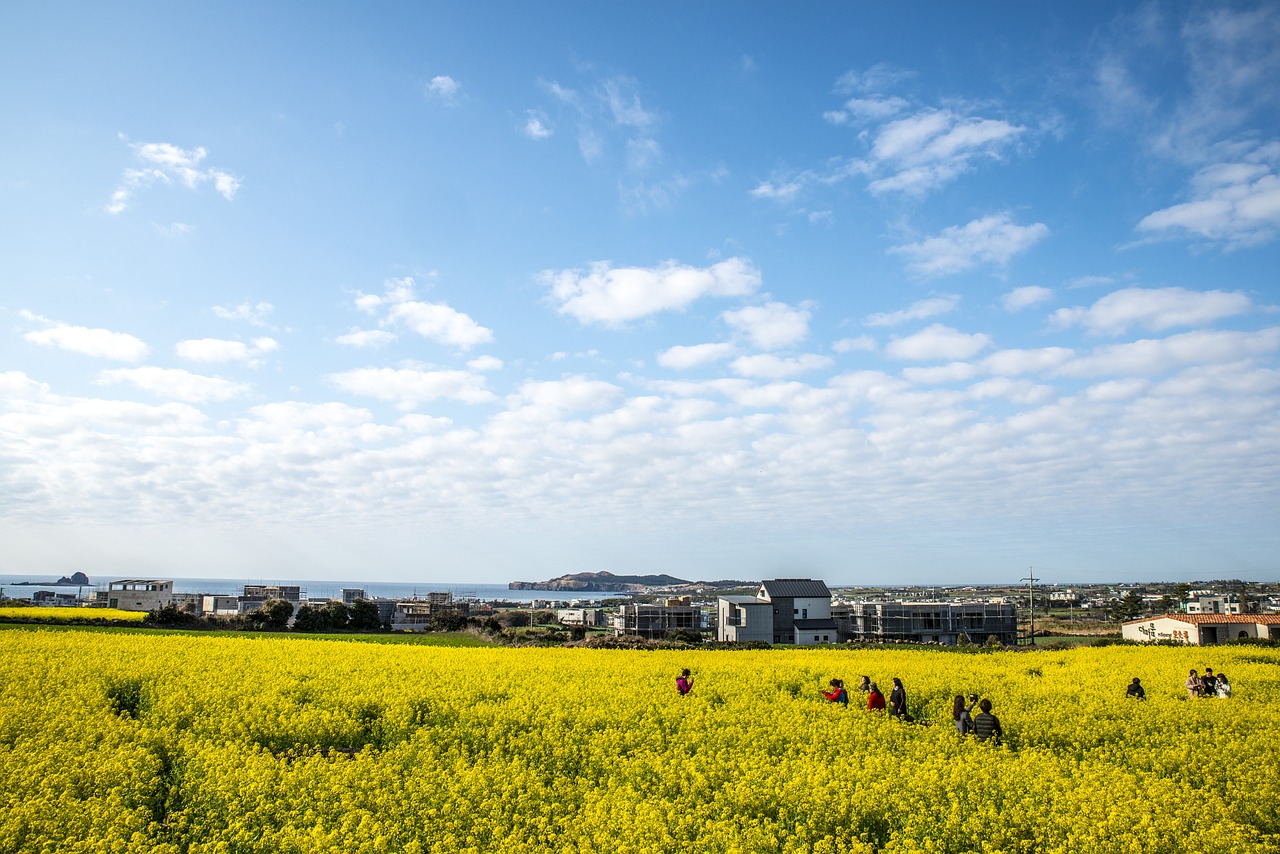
x: 926, y: 622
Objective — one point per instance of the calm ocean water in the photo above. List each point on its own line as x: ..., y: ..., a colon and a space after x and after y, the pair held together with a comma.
x: 311, y: 589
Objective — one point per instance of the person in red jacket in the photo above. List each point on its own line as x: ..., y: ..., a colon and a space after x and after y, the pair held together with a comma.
x: 875, y: 700
x: 837, y: 694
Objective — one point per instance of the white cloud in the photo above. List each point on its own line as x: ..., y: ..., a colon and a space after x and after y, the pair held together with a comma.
x: 1020, y: 298
x: 219, y: 350
x: 444, y: 87
x: 99, y: 343
x: 168, y: 164
x: 784, y: 189
x: 436, y: 321
x: 1155, y: 309
x: 441, y: 323
x: 621, y: 94
x: 931, y: 148
x: 953, y: 372
x: 411, y: 387
x: 1017, y: 362
x: 536, y: 125
x: 485, y: 363
x: 1237, y: 204
x: 575, y: 394
x: 366, y: 338
x: 994, y: 239
x: 175, y: 383
x: 771, y: 326
x: 937, y: 342
x: 769, y: 366
x: 1155, y: 356
x: 255, y: 314
x: 612, y: 296
x: 683, y: 357
x: 849, y: 345
x: 918, y: 310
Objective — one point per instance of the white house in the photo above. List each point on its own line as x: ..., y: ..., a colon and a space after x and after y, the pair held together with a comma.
x: 784, y: 610
x: 1202, y: 629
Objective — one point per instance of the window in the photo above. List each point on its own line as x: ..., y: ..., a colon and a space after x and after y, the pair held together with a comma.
x: 815, y: 638
x: 805, y: 615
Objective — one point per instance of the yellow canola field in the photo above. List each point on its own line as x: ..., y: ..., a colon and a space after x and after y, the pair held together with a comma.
x: 184, y: 743
x: 37, y: 612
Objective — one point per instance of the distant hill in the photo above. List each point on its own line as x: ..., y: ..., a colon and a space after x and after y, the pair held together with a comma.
x: 77, y: 579
x: 607, y: 582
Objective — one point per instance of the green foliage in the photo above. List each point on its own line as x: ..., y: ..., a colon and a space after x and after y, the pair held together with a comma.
x: 363, y: 616
x: 125, y: 695
x: 272, y: 616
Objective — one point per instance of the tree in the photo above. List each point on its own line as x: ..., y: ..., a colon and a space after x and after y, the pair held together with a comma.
x: 448, y: 621
x: 1127, y: 607
x: 272, y: 615
x: 336, y: 616
x: 363, y: 616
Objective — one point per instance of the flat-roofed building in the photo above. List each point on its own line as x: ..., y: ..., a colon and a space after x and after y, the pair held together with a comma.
x: 654, y: 621
x: 139, y: 594
x: 928, y: 622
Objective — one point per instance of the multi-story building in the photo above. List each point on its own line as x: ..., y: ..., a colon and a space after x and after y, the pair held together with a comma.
x: 784, y: 610
x: 1214, y: 604
x: 654, y: 621
x: 417, y: 615
x: 139, y: 594
x: 928, y: 622
x: 581, y: 616
x: 219, y: 606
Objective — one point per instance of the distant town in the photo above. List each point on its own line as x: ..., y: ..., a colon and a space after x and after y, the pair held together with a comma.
x: 601, y: 607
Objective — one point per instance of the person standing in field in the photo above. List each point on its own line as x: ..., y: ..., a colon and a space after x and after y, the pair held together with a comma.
x: 1136, y: 690
x: 963, y: 715
x: 837, y: 694
x: 865, y: 685
x: 1194, y: 686
x: 986, y: 726
x: 898, y: 699
x: 875, y: 700
x: 1224, y: 687
x: 684, y: 682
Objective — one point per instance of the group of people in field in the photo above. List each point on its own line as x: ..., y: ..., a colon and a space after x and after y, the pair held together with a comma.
x: 1207, y: 685
x: 983, y: 726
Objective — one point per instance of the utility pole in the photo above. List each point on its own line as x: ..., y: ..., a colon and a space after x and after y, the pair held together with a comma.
x: 1031, y: 590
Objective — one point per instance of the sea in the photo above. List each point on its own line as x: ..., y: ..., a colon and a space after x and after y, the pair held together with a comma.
x: 10, y: 588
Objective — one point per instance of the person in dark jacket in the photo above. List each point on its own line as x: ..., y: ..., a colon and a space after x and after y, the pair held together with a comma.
x: 963, y: 715
x: 986, y: 726
x: 898, y: 699
x: 1136, y: 690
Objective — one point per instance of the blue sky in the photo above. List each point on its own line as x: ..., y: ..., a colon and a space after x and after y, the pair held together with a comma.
x: 473, y: 292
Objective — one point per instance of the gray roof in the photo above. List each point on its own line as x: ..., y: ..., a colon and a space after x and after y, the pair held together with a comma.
x: 815, y: 625
x: 743, y: 600
x: 796, y: 588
